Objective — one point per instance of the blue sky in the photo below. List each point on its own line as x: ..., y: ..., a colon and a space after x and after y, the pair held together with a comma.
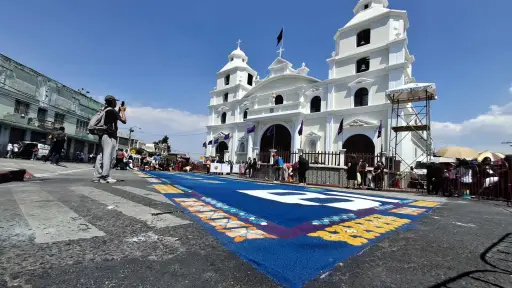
x: 164, y: 55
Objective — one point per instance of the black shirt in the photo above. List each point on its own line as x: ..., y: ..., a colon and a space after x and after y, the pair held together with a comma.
x: 59, y: 137
x: 111, y: 118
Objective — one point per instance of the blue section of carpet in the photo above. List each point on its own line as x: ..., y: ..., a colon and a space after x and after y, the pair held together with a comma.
x: 293, y: 261
x: 288, y: 215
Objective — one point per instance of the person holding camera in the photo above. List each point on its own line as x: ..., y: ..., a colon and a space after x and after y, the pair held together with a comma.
x: 108, y: 139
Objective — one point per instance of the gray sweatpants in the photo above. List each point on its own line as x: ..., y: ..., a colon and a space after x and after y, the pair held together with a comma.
x: 105, y: 158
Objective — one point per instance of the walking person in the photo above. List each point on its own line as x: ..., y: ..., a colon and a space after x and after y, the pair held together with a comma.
x: 35, y: 151
x: 248, y: 170
x: 302, y: 169
x: 208, y: 163
x: 108, y: 139
x: 254, y: 167
x: 278, y: 165
x: 59, y: 140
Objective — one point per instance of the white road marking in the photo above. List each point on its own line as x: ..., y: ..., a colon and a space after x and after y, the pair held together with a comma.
x: 19, y: 184
x: 466, y: 225
x: 145, y: 193
x: 50, y: 219
x: 130, y: 208
x: 14, y: 226
x: 212, y: 181
x: 61, y: 172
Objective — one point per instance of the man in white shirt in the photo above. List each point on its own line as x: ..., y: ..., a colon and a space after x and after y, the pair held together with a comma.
x: 9, y: 150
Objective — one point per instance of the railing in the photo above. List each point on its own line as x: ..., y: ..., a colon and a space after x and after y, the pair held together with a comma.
x: 322, y: 158
x: 326, y: 158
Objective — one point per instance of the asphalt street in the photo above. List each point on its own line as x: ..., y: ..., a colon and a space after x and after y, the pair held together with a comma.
x: 62, y: 230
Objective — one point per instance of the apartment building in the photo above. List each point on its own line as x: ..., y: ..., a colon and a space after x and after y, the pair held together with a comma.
x: 33, y: 105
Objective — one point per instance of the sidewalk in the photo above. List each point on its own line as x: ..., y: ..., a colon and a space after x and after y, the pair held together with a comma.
x: 38, y: 169
x: 408, y: 195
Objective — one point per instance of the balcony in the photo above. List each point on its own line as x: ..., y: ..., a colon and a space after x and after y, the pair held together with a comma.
x: 42, y: 124
x: 16, y: 118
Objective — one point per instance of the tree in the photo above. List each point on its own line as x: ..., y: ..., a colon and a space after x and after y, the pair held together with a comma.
x: 139, y: 151
x: 164, y: 140
x: 163, y: 143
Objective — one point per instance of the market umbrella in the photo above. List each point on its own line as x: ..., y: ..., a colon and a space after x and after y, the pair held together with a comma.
x: 457, y: 152
x: 493, y: 155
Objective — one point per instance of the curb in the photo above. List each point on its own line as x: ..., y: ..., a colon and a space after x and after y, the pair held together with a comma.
x: 14, y: 175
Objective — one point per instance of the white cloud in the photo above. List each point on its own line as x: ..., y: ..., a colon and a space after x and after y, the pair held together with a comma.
x: 157, y: 122
x: 483, y: 132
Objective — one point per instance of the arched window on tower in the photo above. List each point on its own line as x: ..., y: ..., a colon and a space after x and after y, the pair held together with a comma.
x: 225, y: 98
x: 361, y: 97
x: 363, y: 37
x: 279, y: 100
x: 249, y: 79
x: 241, y: 147
x: 315, y: 105
x: 226, y: 80
x: 363, y: 65
x: 245, y: 113
x: 223, y: 118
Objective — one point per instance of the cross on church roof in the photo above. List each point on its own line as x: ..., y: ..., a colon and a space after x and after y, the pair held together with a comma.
x: 238, y: 42
x: 280, y: 51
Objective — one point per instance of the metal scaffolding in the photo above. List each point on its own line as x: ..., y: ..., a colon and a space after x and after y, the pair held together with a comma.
x: 410, y: 115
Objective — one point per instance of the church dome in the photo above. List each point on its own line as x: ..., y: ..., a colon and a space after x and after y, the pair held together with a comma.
x: 236, y: 59
x: 237, y: 53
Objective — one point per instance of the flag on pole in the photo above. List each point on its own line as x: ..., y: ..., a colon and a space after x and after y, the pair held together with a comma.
x: 379, y: 133
x: 210, y: 142
x: 204, y: 145
x: 251, y: 129
x: 280, y: 37
x: 301, y: 128
x: 226, y: 137
x: 216, y: 141
x: 271, y: 130
x: 340, y: 128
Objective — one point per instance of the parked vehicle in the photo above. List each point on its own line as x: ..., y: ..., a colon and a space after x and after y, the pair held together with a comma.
x: 27, y: 148
x: 43, y: 151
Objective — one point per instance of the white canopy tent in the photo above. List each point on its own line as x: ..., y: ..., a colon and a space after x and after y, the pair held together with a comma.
x: 412, y: 92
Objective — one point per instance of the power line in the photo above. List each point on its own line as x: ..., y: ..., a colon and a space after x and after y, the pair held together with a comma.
x: 171, y: 135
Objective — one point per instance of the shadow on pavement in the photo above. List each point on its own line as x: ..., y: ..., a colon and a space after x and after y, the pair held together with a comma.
x: 497, y: 256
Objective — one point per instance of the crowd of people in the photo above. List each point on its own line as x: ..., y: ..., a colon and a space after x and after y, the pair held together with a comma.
x: 466, y: 177
x: 359, y: 175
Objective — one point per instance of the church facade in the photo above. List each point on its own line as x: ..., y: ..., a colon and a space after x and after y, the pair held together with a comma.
x: 249, y: 116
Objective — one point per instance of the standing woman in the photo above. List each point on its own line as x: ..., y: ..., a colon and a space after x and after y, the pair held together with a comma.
x: 352, y: 172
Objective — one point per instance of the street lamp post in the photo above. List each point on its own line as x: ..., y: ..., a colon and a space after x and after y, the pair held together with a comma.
x: 130, y: 137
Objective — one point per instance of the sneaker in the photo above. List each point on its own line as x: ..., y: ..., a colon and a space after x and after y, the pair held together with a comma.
x: 107, y: 180
x: 96, y: 180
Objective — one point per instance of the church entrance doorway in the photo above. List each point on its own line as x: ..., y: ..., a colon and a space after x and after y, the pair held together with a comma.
x: 220, y: 149
x: 359, y: 146
x: 276, y: 137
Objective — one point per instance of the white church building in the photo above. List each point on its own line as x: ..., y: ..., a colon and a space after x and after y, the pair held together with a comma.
x: 370, y: 57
